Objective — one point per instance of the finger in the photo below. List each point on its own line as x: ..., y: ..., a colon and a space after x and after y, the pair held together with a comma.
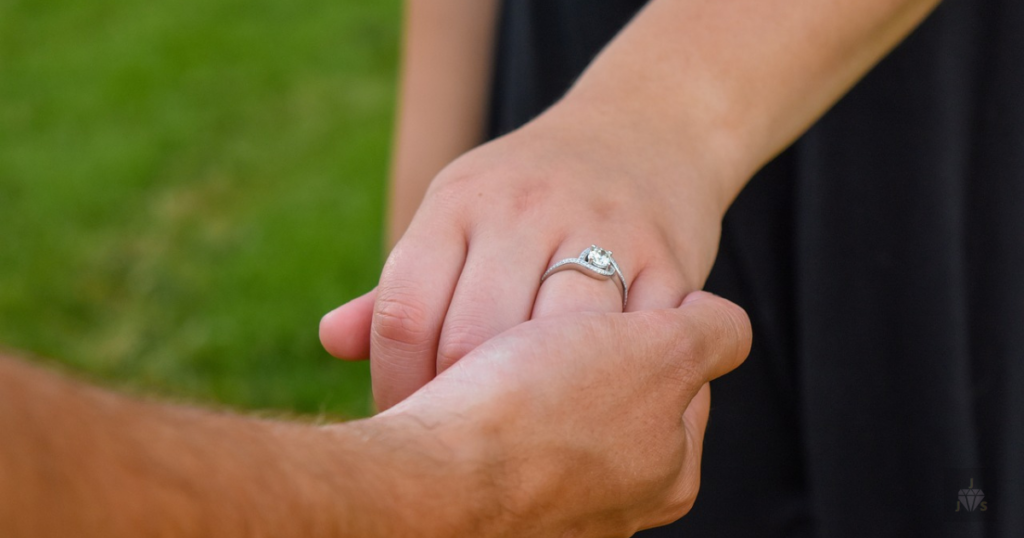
x: 716, y: 337
x: 684, y: 491
x: 655, y: 287
x: 705, y: 338
x: 415, y: 289
x: 492, y: 294
x: 345, y: 331
x: 725, y: 345
x: 574, y: 290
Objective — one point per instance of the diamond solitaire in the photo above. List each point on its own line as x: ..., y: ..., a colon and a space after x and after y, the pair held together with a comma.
x: 599, y: 257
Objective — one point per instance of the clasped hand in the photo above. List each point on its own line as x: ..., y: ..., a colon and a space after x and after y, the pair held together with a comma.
x: 469, y: 265
x: 567, y: 386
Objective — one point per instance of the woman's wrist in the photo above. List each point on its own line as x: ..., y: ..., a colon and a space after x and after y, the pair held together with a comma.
x: 658, y: 151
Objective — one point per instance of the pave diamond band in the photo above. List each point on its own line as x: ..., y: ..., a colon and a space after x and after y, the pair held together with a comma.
x: 596, y: 262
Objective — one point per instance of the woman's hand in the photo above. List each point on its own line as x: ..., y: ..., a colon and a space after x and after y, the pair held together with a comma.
x: 641, y: 157
x: 469, y: 266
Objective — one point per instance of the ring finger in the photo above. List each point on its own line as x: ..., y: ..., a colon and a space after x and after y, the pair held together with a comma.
x: 578, y: 289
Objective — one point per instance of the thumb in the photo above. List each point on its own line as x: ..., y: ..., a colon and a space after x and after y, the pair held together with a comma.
x: 718, y: 331
x: 704, y: 338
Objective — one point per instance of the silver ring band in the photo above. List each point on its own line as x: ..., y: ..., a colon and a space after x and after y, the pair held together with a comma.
x: 595, y: 262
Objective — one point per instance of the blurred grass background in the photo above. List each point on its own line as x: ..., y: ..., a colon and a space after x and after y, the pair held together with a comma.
x: 187, y: 186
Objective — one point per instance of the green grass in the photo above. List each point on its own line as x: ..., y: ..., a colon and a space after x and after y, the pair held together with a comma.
x: 187, y: 186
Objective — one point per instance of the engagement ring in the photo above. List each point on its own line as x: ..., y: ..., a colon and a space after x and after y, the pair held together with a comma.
x: 595, y: 262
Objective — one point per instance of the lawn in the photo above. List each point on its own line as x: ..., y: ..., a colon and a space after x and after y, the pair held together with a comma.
x: 187, y: 186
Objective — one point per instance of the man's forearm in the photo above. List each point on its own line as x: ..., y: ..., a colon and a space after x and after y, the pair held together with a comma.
x: 78, y: 461
x: 724, y: 86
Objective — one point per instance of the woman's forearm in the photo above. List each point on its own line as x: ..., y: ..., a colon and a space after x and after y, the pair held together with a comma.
x: 445, y: 76
x: 725, y: 86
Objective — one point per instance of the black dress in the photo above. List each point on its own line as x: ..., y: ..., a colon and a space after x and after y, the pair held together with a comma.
x: 881, y: 259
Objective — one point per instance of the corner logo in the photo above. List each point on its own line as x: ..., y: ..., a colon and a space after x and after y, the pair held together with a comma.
x: 971, y: 499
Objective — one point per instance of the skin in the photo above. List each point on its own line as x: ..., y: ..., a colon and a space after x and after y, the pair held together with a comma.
x: 443, y: 96
x: 510, y: 442
x: 642, y: 156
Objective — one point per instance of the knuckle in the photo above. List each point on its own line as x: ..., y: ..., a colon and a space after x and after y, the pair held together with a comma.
x: 605, y: 208
x: 514, y: 191
x: 729, y: 331
x: 449, y: 192
x: 687, y: 372
x: 740, y: 325
x: 527, y: 197
x: 400, y: 319
x: 681, y: 507
x: 688, y: 355
x: 679, y: 503
x: 458, y: 340
x: 686, y: 496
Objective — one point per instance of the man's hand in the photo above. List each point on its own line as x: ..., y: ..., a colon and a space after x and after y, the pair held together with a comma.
x: 586, y: 425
